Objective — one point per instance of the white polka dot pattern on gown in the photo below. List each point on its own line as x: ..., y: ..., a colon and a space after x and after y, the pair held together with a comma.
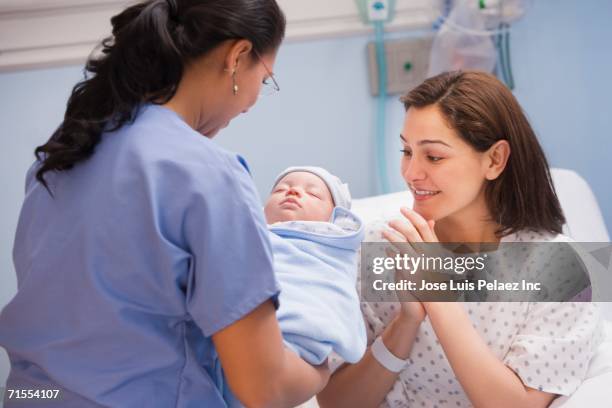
x: 548, y: 345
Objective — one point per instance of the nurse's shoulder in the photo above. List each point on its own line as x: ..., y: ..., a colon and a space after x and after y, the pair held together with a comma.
x: 165, y: 149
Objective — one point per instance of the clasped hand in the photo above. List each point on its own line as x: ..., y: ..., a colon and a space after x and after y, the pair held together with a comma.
x: 414, y: 237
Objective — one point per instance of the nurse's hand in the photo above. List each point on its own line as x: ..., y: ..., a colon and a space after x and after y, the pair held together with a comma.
x: 260, y: 371
x: 323, y: 372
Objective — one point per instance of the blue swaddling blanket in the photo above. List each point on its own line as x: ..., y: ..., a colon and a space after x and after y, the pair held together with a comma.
x: 316, y: 267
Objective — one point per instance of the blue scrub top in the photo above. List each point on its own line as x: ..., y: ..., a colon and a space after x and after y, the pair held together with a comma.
x: 147, y: 248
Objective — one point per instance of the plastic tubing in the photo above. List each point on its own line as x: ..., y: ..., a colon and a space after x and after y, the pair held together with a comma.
x: 381, y: 109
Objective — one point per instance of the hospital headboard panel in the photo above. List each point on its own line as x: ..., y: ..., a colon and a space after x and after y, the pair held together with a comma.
x: 584, y: 220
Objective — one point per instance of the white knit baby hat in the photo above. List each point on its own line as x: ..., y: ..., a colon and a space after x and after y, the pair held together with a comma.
x: 339, y: 190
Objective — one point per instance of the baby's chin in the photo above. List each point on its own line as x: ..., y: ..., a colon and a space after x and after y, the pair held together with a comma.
x: 284, y: 215
x: 290, y: 214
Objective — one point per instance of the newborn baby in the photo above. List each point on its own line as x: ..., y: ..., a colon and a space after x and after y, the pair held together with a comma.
x: 315, y: 238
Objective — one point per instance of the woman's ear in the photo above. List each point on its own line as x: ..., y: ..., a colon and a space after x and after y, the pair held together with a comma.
x: 497, y: 156
x: 237, y: 53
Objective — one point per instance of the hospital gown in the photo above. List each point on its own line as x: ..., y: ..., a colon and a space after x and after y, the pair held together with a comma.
x: 548, y: 345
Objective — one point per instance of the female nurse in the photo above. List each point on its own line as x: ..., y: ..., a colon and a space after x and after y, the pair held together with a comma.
x: 144, y: 269
x: 478, y: 175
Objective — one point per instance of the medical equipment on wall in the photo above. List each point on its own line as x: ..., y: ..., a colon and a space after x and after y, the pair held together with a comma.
x: 378, y: 12
x: 475, y: 34
x: 470, y: 34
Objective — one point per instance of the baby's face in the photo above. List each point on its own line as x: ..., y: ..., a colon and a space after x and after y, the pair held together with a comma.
x: 299, y: 196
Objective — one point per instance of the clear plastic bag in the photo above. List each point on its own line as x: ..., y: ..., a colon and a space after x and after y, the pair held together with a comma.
x: 462, y: 42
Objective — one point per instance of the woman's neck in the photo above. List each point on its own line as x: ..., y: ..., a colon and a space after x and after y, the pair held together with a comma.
x: 188, y: 102
x: 475, y: 227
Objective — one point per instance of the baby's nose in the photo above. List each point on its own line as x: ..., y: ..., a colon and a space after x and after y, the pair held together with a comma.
x: 293, y: 191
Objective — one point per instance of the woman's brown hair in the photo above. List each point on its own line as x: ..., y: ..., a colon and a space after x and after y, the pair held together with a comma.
x: 483, y: 111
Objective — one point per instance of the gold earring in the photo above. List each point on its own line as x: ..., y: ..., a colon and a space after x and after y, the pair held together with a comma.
x: 235, y: 86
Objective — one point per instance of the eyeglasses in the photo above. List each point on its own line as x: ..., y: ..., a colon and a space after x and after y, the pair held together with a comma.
x: 269, y: 85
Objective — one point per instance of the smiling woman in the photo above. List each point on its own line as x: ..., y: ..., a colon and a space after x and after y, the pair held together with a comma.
x: 478, y: 175
x: 468, y: 126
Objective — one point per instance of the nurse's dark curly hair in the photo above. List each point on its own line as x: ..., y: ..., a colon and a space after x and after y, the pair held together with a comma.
x: 143, y: 61
x: 483, y: 111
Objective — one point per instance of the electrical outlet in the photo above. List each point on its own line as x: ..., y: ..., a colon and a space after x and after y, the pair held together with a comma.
x: 378, y: 10
x: 372, y: 11
x: 407, y: 64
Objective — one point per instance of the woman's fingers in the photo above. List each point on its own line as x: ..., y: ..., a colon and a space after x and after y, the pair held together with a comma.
x: 414, y: 228
x: 396, y: 239
x: 407, y: 229
x: 393, y: 236
x: 399, y: 244
x: 423, y: 227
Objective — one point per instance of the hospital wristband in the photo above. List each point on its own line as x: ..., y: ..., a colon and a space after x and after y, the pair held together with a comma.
x: 382, y: 354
